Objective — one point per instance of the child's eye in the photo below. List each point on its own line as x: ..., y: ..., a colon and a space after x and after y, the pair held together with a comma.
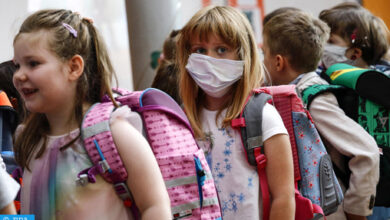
x: 17, y: 66
x: 33, y: 63
x: 221, y: 50
x: 200, y: 50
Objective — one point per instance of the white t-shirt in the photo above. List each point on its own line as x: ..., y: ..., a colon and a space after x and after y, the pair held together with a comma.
x: 8, y: 187
x: 236, y: 180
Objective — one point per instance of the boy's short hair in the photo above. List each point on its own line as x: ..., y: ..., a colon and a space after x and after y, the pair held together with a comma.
x: 298, y: 36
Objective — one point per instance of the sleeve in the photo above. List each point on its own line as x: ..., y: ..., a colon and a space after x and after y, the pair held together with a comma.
x: 272, y: 122
x: 9, y: 188
x: 124, y: 112
x: 348, y: 138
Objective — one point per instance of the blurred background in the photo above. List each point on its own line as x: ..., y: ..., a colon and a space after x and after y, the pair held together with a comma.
x: 134, y: 30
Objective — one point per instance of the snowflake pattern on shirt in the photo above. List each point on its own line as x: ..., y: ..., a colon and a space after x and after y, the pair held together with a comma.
x: 222, y: 163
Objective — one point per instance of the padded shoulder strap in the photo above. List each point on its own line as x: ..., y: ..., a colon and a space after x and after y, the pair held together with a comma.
x: 313, y: 91
x: 252, y: 134
x: 99, y: 143
x: 368, y: 83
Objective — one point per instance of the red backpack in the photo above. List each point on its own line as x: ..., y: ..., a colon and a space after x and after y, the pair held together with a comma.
x: 317, y: 191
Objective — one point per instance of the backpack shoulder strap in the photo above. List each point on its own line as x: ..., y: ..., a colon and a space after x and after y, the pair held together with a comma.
x: 250, y: 123
x: 368, y: 83
x: 100, y: 146
x: 313, y: 91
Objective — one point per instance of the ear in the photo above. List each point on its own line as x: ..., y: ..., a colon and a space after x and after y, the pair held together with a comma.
x: 355, y: 53
x: 280, y: 62
x: 76, y: 67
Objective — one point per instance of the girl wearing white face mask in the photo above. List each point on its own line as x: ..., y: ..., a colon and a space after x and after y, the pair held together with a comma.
x: 357, y: 37
x: 219, y: 67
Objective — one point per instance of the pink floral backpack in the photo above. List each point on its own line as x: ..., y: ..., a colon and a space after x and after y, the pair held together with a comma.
x: 182, y: 163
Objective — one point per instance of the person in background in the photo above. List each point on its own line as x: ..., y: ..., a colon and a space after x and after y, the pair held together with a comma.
x: 167, y: 72
x: 293, y: 45
x: 357, y: 37
x: 7, y: 70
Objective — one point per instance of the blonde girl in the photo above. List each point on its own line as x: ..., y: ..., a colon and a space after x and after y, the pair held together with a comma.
x: 219, y: 67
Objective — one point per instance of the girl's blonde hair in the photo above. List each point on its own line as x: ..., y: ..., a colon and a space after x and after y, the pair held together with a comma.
x: 360, y: 28
x: 94, y: 82
x: 235, y: 30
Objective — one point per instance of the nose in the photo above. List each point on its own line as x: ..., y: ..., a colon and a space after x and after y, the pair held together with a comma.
x: 19, y: 76
x: 212, y: 53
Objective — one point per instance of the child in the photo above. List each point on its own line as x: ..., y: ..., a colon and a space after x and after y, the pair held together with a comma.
x: 166, y: 78
x: 292, y: 46
x: 357, y: 36
x: 7, y: 70
x: 62, y: 69
x: 219, y: 67
x: 363, y: 41
x: 9, y: 188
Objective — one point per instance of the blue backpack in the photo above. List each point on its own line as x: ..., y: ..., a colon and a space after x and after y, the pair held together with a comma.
x: 318, y: 192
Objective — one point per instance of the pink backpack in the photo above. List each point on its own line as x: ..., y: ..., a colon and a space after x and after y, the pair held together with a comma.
x: 184, y: 168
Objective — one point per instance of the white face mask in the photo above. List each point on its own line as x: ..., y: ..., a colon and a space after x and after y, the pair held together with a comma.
x: 335, y: 54
x: 214, y: 76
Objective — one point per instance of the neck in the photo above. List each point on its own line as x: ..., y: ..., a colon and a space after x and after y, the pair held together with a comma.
x: 361, y: 63
x: 62, y: 122
x: 213, y: 104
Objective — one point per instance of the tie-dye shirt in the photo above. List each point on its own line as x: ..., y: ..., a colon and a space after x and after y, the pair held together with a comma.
x: 50, y: 191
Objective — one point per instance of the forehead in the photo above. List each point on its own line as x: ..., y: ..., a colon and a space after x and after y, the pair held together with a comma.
x: 34, y: 39
x: 26, y: 43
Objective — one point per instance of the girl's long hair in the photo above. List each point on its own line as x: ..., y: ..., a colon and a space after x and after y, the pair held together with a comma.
x: 94, y: 82
x: 235, y: 30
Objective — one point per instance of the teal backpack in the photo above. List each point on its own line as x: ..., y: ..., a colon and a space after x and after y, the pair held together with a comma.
x: 364, y: 95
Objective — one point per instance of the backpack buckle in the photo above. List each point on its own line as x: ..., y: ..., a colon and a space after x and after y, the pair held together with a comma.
x: 103, y: 164
x: 261, y: 161
x: 123, y: 191
x: 82, y: 180
x: 238, y: 122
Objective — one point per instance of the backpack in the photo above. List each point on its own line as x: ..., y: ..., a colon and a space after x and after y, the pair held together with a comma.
x: 8, y: 123
x: 363, y: 94
x: 317, y: 191
x: 182, y: 163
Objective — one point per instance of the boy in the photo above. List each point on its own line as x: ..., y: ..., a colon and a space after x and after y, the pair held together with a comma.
x: 293, y: 45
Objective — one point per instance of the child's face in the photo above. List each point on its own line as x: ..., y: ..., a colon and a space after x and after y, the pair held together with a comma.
x: 214, y: 47
x: 269, y: 62
x: 41, y: 77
